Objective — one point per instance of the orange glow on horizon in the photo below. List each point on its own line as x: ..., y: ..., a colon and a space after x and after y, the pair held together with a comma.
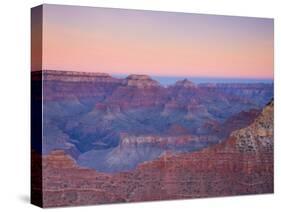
x: 120, y: 50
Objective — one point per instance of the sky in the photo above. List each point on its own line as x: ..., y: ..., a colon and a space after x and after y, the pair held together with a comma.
x: 119, y: 41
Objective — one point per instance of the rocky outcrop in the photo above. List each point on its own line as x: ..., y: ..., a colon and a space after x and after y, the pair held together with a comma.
x: 140, y: 81
x: 185, y: 83
x: 138, y: 91
x: 67, y: 85
x: 58, y: 159
x: 71, y: 76
x: 257, y: 137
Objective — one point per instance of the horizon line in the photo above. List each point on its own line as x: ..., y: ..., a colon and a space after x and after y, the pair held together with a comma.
x: 166, y: 76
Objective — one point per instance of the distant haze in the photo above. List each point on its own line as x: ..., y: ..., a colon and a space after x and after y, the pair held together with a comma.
x: 170, y: 80
x: 118, y: 41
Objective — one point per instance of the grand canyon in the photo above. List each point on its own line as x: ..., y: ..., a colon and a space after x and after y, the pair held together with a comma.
x: 107, y: 139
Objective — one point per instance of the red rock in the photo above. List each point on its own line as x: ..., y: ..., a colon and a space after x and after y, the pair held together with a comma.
x: 228, y: 168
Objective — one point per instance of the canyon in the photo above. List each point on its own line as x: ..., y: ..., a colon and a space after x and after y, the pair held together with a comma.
x: 237, y: 166
x: 88, y: 115
x: 107, y: 139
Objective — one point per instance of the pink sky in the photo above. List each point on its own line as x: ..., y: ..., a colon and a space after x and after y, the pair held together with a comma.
x: 156, y: 43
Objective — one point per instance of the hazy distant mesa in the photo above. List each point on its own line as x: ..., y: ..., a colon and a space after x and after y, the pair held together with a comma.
x: 138, y: 80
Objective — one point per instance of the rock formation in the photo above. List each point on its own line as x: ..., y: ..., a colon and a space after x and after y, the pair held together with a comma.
x: 242, y: 164
x: 109, y: 140
x: 185, y: 83
x: 140, y: 81
x: 70, y: 76
x: 87, y: 113
x: 257, y: 137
